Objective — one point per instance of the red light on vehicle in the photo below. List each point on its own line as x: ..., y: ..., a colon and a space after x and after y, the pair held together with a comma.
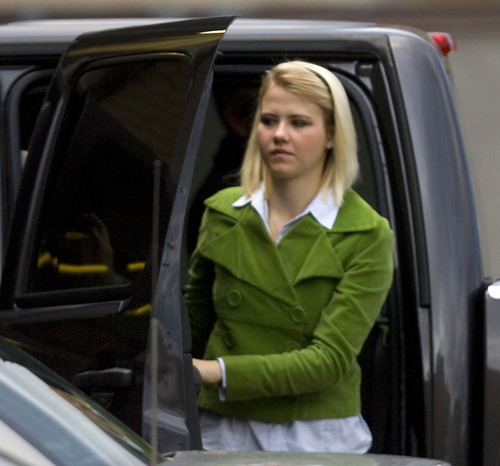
x: 443, y: 41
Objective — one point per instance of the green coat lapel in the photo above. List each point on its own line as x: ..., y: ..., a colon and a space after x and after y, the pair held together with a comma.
x: 247, y: 251
x: 355, y: 215
x: 308, y: 252
x: 240, y: 243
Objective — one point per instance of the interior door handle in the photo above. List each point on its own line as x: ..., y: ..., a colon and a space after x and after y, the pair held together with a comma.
x: 113, y: 378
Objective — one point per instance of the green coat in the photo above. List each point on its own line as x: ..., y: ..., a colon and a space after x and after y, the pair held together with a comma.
x: 288, y: 319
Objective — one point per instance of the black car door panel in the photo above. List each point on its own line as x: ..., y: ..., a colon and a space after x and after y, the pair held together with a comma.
x: 107, y: 171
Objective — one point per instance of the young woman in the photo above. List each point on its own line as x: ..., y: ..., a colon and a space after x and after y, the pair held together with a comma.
x: 289, y: 273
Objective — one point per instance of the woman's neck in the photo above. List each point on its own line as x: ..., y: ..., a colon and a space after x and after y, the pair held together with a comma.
x: 285, y: 201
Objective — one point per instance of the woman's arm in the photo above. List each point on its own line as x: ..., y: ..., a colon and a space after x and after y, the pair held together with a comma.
x: 199, y: 301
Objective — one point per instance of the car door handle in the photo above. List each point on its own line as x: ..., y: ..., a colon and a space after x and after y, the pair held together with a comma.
x: 112, y: 378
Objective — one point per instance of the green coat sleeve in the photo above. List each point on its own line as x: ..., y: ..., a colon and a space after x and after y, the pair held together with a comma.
x: 198, y: 294
x: 198, y: 298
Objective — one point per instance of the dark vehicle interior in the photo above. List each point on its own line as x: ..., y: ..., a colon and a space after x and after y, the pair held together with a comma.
x: 105, y: 187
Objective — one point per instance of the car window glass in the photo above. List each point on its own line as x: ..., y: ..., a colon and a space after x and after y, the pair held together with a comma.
x: 25, y: 90
x: 119, y: 135
x: 29, y: 105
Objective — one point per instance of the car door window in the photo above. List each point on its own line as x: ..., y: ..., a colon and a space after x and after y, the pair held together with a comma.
x: 97, y: 228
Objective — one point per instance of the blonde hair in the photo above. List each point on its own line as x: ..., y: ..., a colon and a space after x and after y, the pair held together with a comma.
x: 323, y: 88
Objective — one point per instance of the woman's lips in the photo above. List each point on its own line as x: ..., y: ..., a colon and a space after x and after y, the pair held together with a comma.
x: 280, y: 152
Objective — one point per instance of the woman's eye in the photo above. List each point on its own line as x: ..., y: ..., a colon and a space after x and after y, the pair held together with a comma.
x: 299, y: 123
x: 267, y: 121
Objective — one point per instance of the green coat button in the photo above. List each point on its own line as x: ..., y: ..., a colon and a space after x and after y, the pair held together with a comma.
x: 234, y: 298
x: 297, y: 314
x: 294, y: 346
x: 229, y: 339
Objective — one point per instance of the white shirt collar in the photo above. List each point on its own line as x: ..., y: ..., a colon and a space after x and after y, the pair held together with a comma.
x: 322, y: 208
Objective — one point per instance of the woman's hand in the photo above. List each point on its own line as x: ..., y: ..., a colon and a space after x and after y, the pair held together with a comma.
x: 210, y: 371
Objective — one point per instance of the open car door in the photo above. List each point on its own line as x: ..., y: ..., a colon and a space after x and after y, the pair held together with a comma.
x: 94, y: 253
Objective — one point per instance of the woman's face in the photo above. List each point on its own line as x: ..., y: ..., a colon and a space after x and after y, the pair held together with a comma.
x: 292, y: 136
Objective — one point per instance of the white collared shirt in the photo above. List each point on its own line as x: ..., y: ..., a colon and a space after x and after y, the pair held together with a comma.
x: 346, y: 435
x: 322, y: 208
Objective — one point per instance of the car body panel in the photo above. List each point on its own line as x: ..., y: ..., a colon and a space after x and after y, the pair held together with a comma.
x: 440, y: 172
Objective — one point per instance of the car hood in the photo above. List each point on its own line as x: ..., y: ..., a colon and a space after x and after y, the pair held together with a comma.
x: 257, y: 458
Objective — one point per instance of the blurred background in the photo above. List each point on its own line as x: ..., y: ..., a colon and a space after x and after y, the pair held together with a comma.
x: 475, y: 25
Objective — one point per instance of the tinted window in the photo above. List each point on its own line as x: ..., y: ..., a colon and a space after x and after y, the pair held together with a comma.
x: 119, y: 137
x: 25, y: 90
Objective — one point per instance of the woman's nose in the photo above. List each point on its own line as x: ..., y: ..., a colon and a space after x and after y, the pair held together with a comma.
x: 281, y: 131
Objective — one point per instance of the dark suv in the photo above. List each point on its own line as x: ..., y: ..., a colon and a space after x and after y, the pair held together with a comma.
x: 122, y: 132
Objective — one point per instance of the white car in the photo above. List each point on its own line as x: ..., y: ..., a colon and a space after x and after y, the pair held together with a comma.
x: 51, y: 423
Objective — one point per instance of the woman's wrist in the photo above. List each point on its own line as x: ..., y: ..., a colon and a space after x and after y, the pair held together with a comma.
x: 210, y: 371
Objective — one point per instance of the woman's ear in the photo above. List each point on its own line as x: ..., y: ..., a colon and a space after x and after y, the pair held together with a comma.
x: 330, y: 139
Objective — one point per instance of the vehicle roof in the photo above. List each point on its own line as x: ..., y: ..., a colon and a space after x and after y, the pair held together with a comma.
x: 66, y: 29
x: 42, y: 37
